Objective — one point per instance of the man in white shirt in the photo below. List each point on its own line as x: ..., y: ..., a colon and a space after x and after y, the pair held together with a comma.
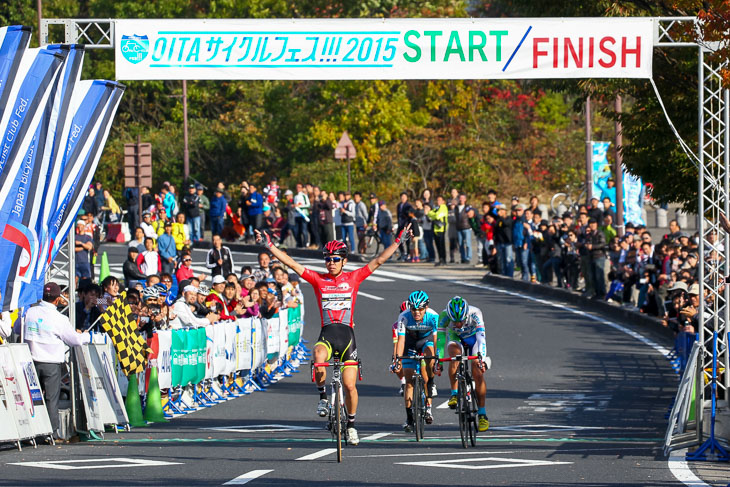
x: 146, y: 225
x: 183, y: 308
x: 302, y: 205
x: 47, y: 333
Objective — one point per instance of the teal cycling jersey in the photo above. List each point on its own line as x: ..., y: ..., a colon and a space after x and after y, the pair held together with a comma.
x: 407, y: 325
x: 471, y: 332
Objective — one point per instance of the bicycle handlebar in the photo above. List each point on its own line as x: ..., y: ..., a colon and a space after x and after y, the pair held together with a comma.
x: 461, y: 358
x: 417, y: 357
x: 335, y: 364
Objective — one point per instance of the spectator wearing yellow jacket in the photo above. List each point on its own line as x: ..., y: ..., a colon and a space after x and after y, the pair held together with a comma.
x: 180, y: 232
x: 439, y: 216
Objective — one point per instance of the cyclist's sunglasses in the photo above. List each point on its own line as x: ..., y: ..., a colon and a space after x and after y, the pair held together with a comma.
x: 332, y: 258
x: 413, y: 308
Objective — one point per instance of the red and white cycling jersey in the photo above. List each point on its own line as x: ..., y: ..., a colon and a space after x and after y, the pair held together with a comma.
x: 336, y: 295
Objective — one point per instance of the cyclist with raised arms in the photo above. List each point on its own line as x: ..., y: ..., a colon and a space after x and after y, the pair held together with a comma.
x: 461, y: 331
x: 336, y: 292
x: 416, y: 335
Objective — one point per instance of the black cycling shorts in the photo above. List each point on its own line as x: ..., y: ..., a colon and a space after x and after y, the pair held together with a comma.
x: 339, y: 340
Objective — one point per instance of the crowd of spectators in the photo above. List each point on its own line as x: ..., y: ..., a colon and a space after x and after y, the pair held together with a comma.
x: 581, y: 252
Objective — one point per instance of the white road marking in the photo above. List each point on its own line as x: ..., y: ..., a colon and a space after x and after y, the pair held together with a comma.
x: 371, y: 296
x: 681, y: 471
x: 372, y: 278
x: 247, y: 477
x: 99, y: 463
x: 443, y: 405
x: 484, y: 463
x: 374, y: 437
x: 465, y: 452
x: 318, y: 454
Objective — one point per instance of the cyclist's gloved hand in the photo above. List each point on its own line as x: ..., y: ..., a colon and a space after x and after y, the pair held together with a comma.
x: 396, y: 365
x: 404, y: 235
x: 263, y: 238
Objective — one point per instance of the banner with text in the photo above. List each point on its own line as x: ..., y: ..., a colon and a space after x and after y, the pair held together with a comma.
x: 327, y: 49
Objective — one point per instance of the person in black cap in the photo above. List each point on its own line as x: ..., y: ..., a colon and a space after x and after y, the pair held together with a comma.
x: 596, y: 246
x: 47, y: 333
x: 191, y: 208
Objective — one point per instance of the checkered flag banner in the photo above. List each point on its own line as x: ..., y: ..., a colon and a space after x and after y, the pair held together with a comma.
x: 130, y: 346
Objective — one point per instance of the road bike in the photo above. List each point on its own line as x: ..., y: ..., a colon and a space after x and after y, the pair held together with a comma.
x: 370, y: 243
x: 466, y: 405
x: 337, y: 412
x: 568, y: 200
x: 418, y: 400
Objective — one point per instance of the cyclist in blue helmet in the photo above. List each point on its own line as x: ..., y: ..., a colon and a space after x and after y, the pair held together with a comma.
x: 416, y: 335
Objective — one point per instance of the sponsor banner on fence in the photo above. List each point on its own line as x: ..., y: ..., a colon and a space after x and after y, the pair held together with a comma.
x: 334, y: 49
x: 13, y: 398
x: 90, y: 383
x: 108, y: 390
x: 20, y: 374
x: 164, y: 358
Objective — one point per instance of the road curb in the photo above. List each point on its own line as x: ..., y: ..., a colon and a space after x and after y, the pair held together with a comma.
x: 294, y: 252
x: 614, y: 311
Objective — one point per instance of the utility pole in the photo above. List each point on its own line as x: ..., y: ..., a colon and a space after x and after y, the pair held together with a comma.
x: 39, y: 7
x: 186, y: 152
x: 589, y: 152
x: 619, y: 169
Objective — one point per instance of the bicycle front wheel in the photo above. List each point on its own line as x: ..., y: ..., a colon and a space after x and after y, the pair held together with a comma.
x: 418, y: 408
x: 374, y: 246
x: 462, y: 410
x: 338, y: 422
x: 473, y: 418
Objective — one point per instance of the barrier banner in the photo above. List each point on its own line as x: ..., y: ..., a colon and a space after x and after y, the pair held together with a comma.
x: 8, y: 428
x: 339, y: 49
x: 16, y: 403
x: 30, y: 389
x: 272, y: 340
x: 230, y: 327
x: 177, y: 352
x: 112, y: 404
x: 209, y: 350
x: 260, y: 334
x: 201, y: 346
x: 283, y: 331
x: 90, y: 383
x: 243, y: 344
x: 295, y: 325
x: 164, y: 359
x: 219, y: 349
x: 190, y: 357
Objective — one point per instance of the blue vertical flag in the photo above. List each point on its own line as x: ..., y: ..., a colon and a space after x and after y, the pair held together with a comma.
x: 92, y: 109
x: 14, y: 41
x: 22, y: 176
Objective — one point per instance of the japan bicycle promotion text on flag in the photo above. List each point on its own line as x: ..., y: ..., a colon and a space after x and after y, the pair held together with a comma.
x: 328, y: 49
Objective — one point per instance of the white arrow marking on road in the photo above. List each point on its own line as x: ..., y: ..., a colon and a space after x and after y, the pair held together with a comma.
x: 443, y: 405
x: 318, y: 454
x: 374, y: 437
x: 247, y: 477
x: 488, y: 463
x: 100, y: 463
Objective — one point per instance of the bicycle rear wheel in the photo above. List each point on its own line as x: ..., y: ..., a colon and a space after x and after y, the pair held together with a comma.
x: 418, y: 408
x: 463, y: 412
x: 338, y: 422
x: 374, y: 246
x: 558, y: 200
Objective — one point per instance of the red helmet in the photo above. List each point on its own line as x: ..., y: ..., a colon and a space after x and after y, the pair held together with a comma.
x: 335, y: 247
x: 403, y: 306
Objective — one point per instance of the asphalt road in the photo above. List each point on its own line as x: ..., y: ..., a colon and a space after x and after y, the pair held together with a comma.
x: 571, y: 401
